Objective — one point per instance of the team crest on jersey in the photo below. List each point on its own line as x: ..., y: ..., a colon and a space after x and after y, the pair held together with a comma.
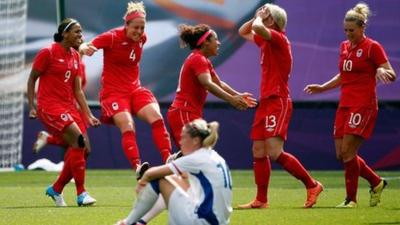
x: 64, y: 117
x: 115, y: 106
x: 124, y: 43
x: 61, y: 60
x: 359, y: 53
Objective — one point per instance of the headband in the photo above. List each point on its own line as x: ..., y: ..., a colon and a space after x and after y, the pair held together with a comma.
x: 134, y: 15
x: 203, y: 38
x: 69, y: 24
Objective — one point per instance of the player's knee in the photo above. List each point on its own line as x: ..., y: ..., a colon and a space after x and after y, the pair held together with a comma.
x: 81, y: 141
x: 258, y: 152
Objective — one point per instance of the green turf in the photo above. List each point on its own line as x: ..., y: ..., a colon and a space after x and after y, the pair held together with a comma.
x: 22, y: 200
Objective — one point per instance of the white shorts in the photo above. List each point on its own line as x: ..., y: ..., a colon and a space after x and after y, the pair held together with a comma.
x: 181, y: 209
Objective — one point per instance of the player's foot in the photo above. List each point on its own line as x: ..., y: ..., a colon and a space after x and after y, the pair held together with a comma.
x: 84, y: 199
x: 312, y: 195
x: 347, y: 204
x: 121, y: 222
x: 40, y: 142
x: 255, y: 204
x: 141, y: 222
x: 57, y: 197
x: 174, y: 156
x: 375, y: 193
x: 141, y: 169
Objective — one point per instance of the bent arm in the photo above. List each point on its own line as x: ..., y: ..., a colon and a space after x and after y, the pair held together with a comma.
x: 33, y: 76
x: 245, y: 30
x: 319, y: 88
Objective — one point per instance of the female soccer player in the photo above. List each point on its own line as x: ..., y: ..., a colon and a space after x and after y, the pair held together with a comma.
x: 57, y: 67
x: 122, y: 94
x: 45, y: 138
x: 197, y: 77
x: 196, y: 187
x: 270, y: 125
x: 362, y: 61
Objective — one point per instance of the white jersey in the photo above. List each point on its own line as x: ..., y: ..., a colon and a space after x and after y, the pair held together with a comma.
x: 210, y: 184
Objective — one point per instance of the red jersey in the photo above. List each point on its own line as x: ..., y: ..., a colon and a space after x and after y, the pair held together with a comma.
x: 276, y: 64
x: 121, y: 60
x: 58, y: 69
x: 83, y: 75
x: 190, y: 94
x: 357, y: 72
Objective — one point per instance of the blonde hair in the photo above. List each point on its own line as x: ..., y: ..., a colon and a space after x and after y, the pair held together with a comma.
x: 207, y: 132
x: 278, y: 14
x: 135, y: 7
x: 358, y: 14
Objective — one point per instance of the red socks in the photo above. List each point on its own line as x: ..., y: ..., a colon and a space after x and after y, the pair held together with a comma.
x: 262, y: 173
x: 65, y: 174
x: 74, y: 166
x: 130, y: 148
x: 351, y: 174
x: 161, y: 139
x: 367, y: 173
x: 77, y: 164
x: 294, y: 167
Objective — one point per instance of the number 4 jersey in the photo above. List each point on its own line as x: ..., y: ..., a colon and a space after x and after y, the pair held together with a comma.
x: 121, y: 60
x: 58, y: 68
x: 357, y: 67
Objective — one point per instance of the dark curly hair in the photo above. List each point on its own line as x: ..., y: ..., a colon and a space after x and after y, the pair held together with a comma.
x: 189, y: 35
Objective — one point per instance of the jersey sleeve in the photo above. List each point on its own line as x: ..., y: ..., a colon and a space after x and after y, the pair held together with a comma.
x: 188, y: 163
x: 103, y: 40
x: 199, y: 65
x: 42, y: 60
x: 258, y: 40
x: 377, y: 54
x: 277, y: 38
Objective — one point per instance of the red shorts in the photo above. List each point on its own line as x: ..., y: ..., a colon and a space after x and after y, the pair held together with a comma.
x: 355, y: 120
x: 177, y: 119
x: 56, y: 120
x: 272, y: 118
x: 113, y: 103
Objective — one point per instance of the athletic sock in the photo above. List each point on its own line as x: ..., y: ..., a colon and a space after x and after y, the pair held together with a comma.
x: 352, y: 172
x: 161, y: 139
x: 130, y: 148
x: 367, y: 173
x: 262, y: 173
x: 144, y: 202
x: 157, y: 208
x: 294, y: 167
x: 65, y: 174
x: 78, y: 164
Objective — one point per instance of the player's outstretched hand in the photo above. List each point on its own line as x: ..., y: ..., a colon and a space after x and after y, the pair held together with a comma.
x: 94, y: 122
x: 248, y: 97
x: 87, y: 49
x: 313, y: 89
x: 383, y: 76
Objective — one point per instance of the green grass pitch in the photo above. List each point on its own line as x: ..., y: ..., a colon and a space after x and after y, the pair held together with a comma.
x: 22, y: 200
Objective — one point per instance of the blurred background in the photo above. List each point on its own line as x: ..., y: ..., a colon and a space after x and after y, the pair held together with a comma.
x: 315, y: 30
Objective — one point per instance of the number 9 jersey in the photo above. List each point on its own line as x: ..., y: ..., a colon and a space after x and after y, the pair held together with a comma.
x: 58, y: 69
